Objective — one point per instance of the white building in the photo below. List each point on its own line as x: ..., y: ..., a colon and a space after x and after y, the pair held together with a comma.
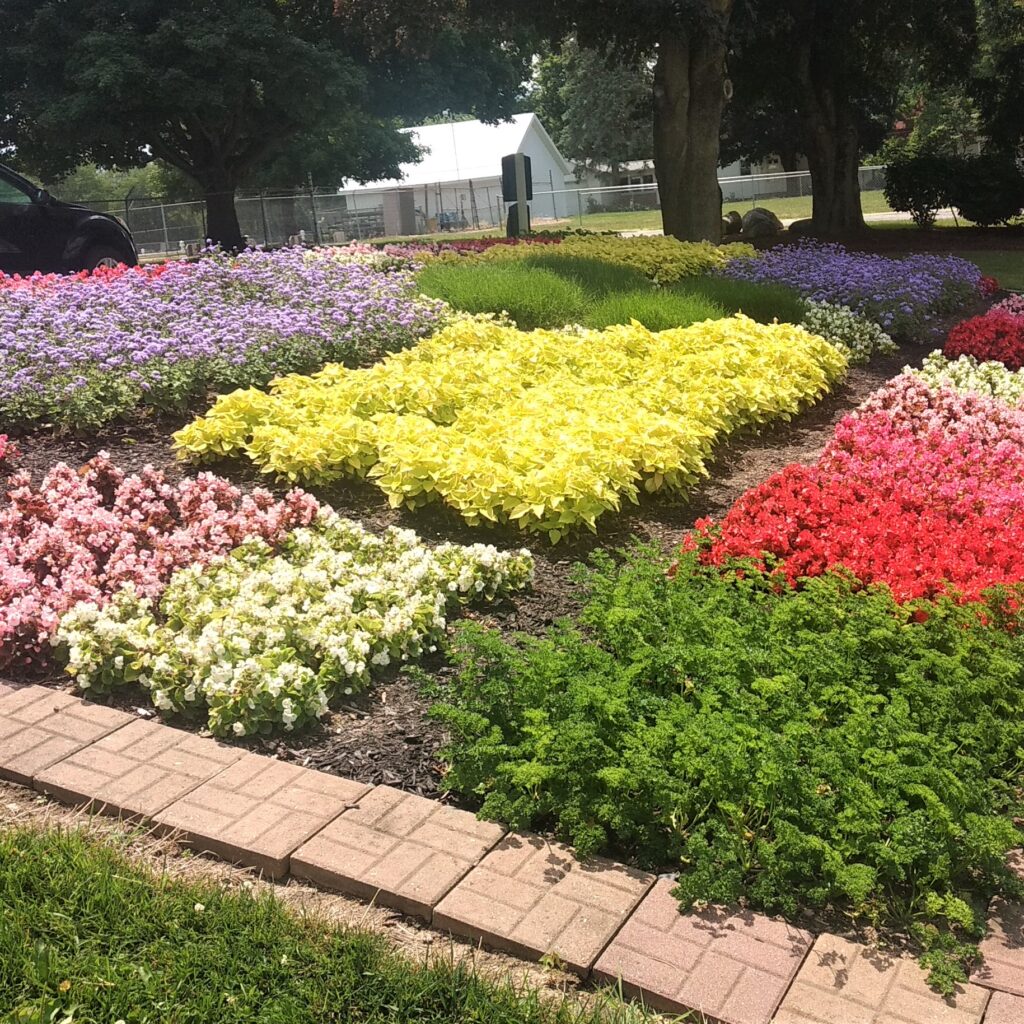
x: 457, y: 183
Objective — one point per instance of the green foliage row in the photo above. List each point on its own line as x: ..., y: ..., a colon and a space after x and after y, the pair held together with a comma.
x: 88, y: 936
x: 818, y: 747
x: 550, y: 290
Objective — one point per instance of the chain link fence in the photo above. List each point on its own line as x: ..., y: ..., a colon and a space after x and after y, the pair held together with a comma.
x: 325, y: 216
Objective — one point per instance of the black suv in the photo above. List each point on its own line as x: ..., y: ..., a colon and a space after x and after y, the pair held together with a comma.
x: 38, y: 232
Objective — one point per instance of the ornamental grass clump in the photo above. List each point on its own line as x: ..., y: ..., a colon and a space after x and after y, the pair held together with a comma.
x: 903, y: 296
x: 547, y: 429
x: 819, y: 747
x: 263, y: 637
x: 82, y: 351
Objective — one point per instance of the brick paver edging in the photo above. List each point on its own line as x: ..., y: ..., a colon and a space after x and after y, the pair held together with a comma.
x: 515, y: 892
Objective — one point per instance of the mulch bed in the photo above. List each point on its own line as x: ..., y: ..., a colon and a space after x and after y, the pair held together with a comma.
x: 385, y: 735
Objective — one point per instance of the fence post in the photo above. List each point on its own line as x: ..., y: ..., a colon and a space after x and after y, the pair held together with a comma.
x: 312, y: 206
x: 163, y: 221
x: 551, y: 185
x: 263, y: 217
x: 579, y: 205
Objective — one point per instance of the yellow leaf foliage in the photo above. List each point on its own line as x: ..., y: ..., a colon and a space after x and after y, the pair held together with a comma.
x: 662, y: 258
x: 549, y: 429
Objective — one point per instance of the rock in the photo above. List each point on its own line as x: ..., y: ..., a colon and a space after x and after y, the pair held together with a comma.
x: 761, y: 223
x: 732, y: 223
x: 802, y: 228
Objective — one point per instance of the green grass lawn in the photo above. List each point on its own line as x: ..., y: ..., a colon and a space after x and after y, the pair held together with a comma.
x: 1005, y: 265
x: 789, y: 208
x: 88, y: 936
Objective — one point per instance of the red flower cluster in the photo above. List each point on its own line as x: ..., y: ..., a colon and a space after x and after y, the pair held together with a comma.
x: 988, y: 285
x: 102, y: 274
x: 918, y: 498
x: 996, y: 335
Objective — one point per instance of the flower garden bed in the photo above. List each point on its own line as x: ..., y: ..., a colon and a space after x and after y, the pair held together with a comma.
x: 88, y: 349
x: 252, y: 609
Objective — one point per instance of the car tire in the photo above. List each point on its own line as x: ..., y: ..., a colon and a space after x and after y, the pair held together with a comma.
x: 103, y: 256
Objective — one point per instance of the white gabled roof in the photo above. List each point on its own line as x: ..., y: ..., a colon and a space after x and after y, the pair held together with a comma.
x: 459, y: 150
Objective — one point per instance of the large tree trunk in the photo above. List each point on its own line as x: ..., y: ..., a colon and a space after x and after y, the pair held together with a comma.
x: 689, y: 96
x: 221, y: 217
x: 833, y: 155
x: 830, y: 131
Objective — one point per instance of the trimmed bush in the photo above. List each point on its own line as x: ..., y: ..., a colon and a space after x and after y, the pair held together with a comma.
x: 987, y: 189
x: 919, y: 185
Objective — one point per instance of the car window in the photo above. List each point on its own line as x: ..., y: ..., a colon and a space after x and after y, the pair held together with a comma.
x: 10, y: 193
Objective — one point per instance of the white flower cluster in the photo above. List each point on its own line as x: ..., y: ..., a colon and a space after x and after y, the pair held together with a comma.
x: 989, y: 378
x: 860, y: 337
x: 263, y: 639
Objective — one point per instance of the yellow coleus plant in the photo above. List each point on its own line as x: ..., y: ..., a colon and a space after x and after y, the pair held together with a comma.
x: 547, y: 429
x: 662, y: 258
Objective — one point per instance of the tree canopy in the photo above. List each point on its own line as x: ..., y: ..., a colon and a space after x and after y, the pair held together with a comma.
x: 227, y: 92
x: 595, y: 104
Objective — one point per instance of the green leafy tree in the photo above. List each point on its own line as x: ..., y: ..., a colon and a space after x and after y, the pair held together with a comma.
x: 596, y: 107
x: 997, y: 79
x: 223, y: 92
x: 688, y: 41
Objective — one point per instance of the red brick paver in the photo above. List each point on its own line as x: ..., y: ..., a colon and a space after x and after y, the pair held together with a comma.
x: 258, y: 811
x: 1004, y: 1009
x: 1002, y: 966
x: 843, y: 982
x: 401, y: 850
x: 138, y: 770
x: 40, y: 726
x: 735, y: 966
x: 534, y: 898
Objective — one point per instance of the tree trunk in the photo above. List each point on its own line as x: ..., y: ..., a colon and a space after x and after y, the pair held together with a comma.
x: 830, y: 130
x: 833, y: 155
x: 689, y: 96
x: 221, y: 217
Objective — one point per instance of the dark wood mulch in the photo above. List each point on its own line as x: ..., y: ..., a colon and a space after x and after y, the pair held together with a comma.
x: 385, y: 735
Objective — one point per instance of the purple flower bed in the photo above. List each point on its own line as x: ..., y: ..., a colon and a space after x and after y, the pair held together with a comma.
x: 82, y: 353
x: 903, y: 296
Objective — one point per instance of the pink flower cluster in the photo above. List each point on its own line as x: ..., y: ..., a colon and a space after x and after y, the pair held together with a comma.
x: 920, y: 489
x: 79, y: 536
x: 1013, y: 304
x: 10, y: 452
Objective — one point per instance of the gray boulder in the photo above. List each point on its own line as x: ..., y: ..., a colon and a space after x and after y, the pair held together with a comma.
x: 761, y: 223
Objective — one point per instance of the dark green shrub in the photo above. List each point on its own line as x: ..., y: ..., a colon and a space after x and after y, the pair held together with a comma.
x: 809, y: 747
x: 919, y: 185
x: 761, y: 302
x: 532, y: 296
x: 656, y: 309
x: 987, y: 189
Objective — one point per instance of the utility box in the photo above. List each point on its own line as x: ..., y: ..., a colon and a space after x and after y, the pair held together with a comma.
x: 400, y: 212
x: 509, y: 168
x: 517, y: 190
